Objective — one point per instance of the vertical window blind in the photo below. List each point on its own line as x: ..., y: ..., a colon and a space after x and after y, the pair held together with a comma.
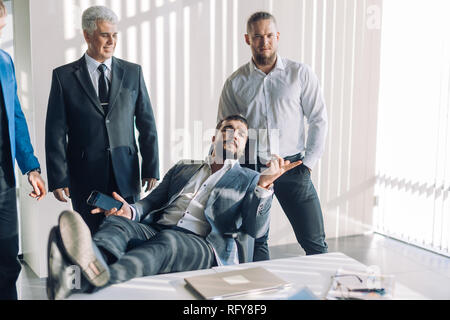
x: 413, y: 139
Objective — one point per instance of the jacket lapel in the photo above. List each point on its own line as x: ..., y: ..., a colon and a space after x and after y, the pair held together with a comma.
x: 82, y: 74
x: 4, y: 84
x: 7, y: 79
x: 181, y: 177
x: 229, y: 180
x: 118, y: 74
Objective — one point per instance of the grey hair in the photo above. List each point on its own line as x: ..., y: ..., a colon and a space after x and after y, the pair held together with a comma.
x: 97, y: 13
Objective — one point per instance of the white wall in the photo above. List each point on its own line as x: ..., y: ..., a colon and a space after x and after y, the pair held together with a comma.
x: 187, y: 49
x: 33, y: 67
x: 7, y: 38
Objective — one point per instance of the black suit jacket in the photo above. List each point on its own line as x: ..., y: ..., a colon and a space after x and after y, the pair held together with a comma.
x: 79, y: 136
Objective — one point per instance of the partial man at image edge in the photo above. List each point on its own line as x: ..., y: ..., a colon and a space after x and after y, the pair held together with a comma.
x: 15, y: 144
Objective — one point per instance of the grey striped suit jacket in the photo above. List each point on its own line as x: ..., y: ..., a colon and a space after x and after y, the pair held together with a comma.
x: 232, y: 207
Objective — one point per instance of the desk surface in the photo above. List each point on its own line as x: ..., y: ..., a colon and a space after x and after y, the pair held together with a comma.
x: 312, y: 271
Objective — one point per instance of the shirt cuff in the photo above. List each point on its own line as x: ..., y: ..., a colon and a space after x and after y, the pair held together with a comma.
x: 309, y: 162
x: 262, y: 193
x: 133, y: 213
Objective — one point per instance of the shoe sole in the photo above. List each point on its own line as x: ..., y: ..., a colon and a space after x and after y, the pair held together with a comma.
x: 56, y: 290
x: 77, y: 241
x: 50, y: 261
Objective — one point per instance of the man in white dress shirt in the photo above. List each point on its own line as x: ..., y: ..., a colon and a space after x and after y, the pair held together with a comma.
x: 276, y: 95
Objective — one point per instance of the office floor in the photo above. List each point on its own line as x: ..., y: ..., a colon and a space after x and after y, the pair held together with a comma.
x: 418, y: 269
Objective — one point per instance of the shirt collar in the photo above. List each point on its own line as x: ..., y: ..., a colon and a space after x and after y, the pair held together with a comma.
x: 278, y: 65
x: 228, y: 162
x: 93, y: 64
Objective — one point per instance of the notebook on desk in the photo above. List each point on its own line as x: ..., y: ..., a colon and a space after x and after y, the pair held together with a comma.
x: 224, y: 285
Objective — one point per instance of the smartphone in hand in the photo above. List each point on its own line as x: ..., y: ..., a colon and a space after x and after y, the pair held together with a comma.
x: 102, y: 201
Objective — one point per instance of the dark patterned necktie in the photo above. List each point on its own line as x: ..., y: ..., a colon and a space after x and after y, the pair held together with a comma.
x: 103, y: 88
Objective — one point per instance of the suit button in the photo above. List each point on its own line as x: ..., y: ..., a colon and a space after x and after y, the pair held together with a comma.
x: 108, y: 149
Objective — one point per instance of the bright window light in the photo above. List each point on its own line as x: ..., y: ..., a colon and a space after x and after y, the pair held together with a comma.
x: 413, y: 157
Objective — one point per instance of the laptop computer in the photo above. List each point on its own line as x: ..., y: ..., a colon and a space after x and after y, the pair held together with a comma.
x: 224, y: 285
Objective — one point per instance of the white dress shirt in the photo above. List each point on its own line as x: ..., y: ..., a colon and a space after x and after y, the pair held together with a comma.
x: 276, y: 105
x: 94, y: 73
x: 188, y: 209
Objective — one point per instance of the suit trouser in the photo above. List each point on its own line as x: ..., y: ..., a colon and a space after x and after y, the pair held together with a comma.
x: 9, y: 245
x: 298, y: 198
x: 134, y: 249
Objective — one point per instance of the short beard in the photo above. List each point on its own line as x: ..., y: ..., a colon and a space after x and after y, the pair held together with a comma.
x: 224, y: 154
x: 227, y: 154
x: 265, y: 61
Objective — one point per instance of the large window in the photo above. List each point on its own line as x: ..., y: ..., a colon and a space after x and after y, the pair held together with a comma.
x: 413, y: 149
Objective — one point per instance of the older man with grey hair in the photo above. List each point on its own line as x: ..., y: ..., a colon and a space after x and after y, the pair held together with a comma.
x: 93, y: 107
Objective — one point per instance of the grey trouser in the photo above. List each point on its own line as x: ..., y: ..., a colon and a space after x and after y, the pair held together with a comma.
x: 135, y: 250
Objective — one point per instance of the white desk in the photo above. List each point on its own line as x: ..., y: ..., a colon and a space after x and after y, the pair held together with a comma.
x: 312, y: 271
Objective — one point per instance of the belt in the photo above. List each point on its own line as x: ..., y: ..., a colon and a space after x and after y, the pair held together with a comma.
x: 295, y: 157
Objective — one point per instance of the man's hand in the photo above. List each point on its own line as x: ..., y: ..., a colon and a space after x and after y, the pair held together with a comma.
x: 58, y: 193
x: 38, y: 184
x: 151, y: 183
x: 125, y: 211
x: 276, y: 168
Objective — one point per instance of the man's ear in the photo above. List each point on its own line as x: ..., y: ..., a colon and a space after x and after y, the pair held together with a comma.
x: 212, y: 149
x: 247, y: 39
x: 86, y: 36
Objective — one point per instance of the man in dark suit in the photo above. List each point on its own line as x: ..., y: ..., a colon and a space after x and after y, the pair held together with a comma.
x: 93, y: 106
x: 190, y: 221
x: 14, y: 145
